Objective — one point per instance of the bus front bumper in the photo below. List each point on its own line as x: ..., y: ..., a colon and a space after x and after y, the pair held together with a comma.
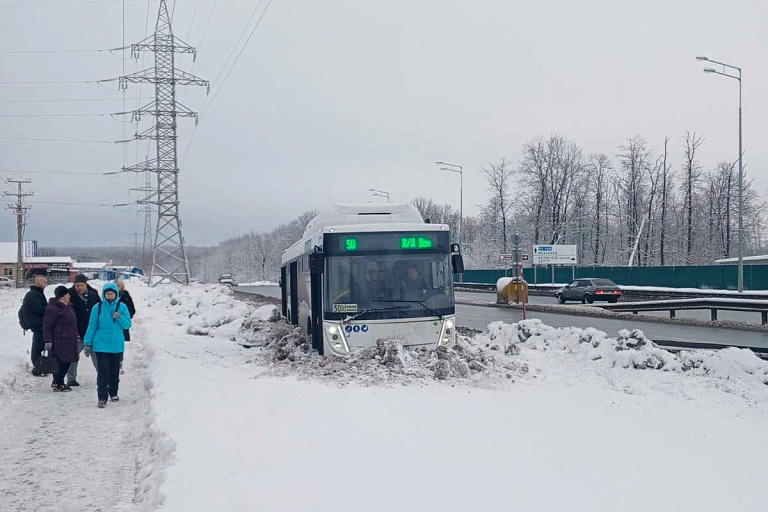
x: 343, y: 338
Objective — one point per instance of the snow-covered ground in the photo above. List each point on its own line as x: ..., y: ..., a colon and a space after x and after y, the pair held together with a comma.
x: 521, y: 416
x: 258, y: 283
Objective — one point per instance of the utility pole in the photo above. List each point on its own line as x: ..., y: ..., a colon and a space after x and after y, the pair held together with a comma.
x: 169, y: 256
x: 20, y: 211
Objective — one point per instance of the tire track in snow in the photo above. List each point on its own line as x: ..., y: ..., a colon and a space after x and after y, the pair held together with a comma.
x: 60, y: 452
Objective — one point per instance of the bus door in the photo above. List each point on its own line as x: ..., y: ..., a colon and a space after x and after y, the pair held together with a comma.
x: 294, y: 290
x: 284, y: 292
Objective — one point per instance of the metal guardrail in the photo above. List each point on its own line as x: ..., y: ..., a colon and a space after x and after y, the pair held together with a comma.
x: 712, y: 304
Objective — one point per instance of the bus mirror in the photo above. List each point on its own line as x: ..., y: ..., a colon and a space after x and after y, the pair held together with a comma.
x: 455, y: 248
x: 457, y: 261
x: 316, y: 263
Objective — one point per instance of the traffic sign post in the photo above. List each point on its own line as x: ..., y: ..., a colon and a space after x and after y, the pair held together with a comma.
x: 555, y: 255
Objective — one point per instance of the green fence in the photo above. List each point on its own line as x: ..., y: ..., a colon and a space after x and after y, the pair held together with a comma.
x: 718, y: 277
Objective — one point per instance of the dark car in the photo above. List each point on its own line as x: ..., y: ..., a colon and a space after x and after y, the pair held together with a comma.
x: 589, y: 290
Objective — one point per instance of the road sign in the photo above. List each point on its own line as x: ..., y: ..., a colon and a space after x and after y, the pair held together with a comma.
x: 554, y: 255
x: 507, y: 257
x: 525, y: 257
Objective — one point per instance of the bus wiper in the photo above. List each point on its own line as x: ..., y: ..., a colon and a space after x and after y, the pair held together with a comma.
x: 370, y: 310
x: 420, y: 303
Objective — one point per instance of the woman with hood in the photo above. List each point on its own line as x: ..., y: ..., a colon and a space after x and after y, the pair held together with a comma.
x: 60, y: 335
x: 105, y: 339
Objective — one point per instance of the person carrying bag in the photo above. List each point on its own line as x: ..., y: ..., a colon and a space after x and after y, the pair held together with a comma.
x: 61, y: 336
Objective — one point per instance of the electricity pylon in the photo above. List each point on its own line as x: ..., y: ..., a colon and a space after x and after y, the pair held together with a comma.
x: 169, y: 257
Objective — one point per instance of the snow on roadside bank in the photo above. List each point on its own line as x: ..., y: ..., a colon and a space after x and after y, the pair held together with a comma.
x: 501, y: 353
x: 268, y: 429
x: 14, y: 344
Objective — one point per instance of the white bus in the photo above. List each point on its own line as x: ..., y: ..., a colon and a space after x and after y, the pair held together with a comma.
x: 370, y: 272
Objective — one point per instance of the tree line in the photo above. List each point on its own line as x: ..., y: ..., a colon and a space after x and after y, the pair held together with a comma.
x: 642, y: 205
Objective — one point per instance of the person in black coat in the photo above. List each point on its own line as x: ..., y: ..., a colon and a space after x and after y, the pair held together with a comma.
x: 33, y: 309
x: 126, y: 299
x: 83, y: 299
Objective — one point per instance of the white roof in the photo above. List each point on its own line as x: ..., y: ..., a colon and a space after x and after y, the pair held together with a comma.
x: 89, y: 265
x: 8, y: 252
x: 365, y: 213
x: 50, y: 259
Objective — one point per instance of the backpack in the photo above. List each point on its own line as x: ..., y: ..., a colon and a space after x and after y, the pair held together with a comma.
x: 22, y: 319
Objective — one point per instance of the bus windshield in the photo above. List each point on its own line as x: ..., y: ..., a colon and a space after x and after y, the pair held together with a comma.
x: 396, y: 285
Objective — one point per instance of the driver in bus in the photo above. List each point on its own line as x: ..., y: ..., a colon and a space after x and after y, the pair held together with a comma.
x: 414, y: 285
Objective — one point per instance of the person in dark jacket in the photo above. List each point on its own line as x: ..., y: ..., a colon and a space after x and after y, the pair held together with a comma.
x: 106, y: 339
x: 126, y: 299
x: 33, y: 308
x: 60, y: 334
x: 83, y: 298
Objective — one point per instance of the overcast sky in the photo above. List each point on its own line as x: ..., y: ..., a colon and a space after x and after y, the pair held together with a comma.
x: 332, y: 98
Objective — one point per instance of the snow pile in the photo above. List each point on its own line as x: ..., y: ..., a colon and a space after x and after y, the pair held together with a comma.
x: 14, y: 344
x: 287, y: 351
x: 259, y: 283
x: 630, y: 349
x: 202, y: 310
x: 499, y: 354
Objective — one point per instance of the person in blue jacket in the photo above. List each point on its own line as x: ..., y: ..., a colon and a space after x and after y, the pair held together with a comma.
x: 105, y: 340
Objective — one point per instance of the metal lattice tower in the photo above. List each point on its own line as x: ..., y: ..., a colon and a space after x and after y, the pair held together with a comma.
x: 169, y: 258
x: 147, y: 211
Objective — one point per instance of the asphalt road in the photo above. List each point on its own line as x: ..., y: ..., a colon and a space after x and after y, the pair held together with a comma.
x: 478, y: 317
x: 701, y: 314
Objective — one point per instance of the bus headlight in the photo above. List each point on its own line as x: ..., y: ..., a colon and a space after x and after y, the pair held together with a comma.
x: 447, y: 333
x: 334, y: 335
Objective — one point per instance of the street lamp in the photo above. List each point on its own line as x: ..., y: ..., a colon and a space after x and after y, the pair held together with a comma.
x: 460, y: 170
x: 379, y: 193
x: 741, y: 167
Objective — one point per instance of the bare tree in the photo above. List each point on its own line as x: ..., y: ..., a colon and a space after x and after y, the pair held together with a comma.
x: 634, y: 162
x: 499, y: 177
x: 666, y: 190
x: 691, y: 183
x: 599, y: 169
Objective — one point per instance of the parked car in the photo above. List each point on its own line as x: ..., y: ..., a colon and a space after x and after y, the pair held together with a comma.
x: 227, y: 279
x: 6, y: 281
x: 589, y: 290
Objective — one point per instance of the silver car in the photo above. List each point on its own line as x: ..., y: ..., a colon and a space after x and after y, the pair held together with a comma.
x: 589, y: 290
x: 6, y: 281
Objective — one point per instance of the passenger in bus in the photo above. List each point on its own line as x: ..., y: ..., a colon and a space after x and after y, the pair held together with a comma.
x: 374, y: 280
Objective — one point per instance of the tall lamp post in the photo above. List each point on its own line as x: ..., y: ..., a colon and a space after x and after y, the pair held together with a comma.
x: 460, y: 170
x: 741, y: 167
x: 379, y: 193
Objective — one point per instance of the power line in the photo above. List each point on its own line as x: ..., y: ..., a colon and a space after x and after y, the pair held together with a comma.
x: 81, y: 173
x: 207, y: 22
x: 31, y: 52
x: 78, y: 114
x: 194, y: 16
x: 35, y: 139
x: 208, y: 104
x: 65, y: 203
x: 63, y: 100
x: 55, y: 82
x: 253, y: 31
x: 62, y: 4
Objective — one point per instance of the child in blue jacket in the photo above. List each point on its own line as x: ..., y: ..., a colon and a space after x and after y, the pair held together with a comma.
x: 105, y: 339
